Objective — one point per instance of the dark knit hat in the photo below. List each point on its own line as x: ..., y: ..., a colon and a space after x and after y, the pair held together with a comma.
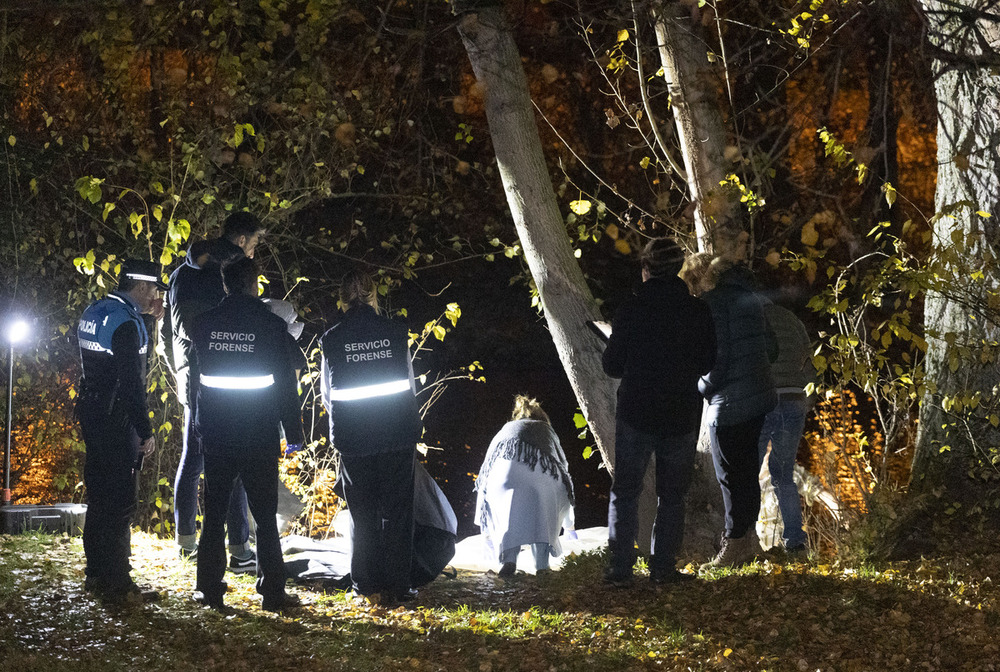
x: 662, y: 257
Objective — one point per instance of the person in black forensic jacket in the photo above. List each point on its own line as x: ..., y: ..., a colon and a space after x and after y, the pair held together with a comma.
x: 195, y: 286
x: 111, y: 408
x: 369, y: 394
x: 243, y: 387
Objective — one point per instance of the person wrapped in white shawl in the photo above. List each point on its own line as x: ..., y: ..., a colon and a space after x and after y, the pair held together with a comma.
x: 525, y: 494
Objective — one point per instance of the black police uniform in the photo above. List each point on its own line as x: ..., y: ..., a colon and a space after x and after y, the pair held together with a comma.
x: 243, y: 385
x: 368, y: 390
x: 111, y: 408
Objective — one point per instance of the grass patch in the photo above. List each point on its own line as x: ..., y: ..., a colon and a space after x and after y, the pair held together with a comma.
x: 933, y: 614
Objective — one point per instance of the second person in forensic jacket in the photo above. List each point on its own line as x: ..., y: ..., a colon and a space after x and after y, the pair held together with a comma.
x: 243, y: 387
x: 369, y: 394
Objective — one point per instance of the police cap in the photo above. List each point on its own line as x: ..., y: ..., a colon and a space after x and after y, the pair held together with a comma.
x: 143, y: 271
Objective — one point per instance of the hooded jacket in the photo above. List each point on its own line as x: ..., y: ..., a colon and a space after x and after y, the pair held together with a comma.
x: 195, y: 286
x: 739, y: 387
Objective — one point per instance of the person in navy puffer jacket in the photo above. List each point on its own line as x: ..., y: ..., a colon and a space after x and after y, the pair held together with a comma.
x: 740, y: 393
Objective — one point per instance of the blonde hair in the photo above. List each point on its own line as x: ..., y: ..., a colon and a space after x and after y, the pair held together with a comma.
x: 526, y: 407
x: 694, y: 273
x: 357, y: 288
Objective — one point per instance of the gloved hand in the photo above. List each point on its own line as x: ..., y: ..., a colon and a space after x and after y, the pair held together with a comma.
x: 292, y: 448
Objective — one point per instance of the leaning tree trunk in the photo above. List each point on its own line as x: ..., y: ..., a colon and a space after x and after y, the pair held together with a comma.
x: 701, y: 133
x: 562, y: 288
x: 960, y: 325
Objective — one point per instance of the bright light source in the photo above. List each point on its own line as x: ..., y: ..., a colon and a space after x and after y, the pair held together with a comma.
x: 18, y: 331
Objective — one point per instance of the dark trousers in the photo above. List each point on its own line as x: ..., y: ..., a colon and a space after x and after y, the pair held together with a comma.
x: 674, y: 461
x: 734, y: 452
x: 186, y: 484
x: 258, y: 469
x: 109, y: 476
x: 379, y: 493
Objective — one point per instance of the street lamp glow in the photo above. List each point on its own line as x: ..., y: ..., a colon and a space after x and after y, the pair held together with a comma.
x: 18, y: 331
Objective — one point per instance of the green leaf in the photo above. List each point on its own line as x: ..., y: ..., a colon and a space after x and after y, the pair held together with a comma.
x: 579, y: 421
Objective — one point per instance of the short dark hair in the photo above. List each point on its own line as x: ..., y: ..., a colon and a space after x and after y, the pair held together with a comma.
x: 662, y: 257
x: 240, y: 276
x: 241, y: 223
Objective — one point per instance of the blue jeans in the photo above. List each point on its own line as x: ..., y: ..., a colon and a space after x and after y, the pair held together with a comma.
x: 539, y: 550
x: 674, y: 461
x: 783, y: 430
x: 734, y: 453
x: 186, y: 497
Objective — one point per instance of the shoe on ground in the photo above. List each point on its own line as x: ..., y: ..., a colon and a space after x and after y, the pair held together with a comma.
x: 129, y: 593
x: 280, y: 602
x: 507, y: 570
x: 212, y: 602
x: 237, y: 566
x: 188, y: 553
x: 669, y: 578
x: 408, y: 596
x: 617, y: 578
x: 733, y: 553
x: 797, y: 553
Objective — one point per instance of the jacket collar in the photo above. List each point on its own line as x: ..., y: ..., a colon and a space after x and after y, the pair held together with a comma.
x: 124, y: 298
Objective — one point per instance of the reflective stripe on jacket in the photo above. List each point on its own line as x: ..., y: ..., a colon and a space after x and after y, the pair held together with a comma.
x: 113, y: 344
x: 368, y: 386
x: 243, y: 378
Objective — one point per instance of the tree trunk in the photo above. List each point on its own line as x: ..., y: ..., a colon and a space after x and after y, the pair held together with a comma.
x: 968, y: 138
x: 702, y: 136
x: 695, y: 103
x: 562, y: 288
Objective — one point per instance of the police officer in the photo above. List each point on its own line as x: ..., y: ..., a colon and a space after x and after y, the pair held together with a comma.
x: 369, y: 394
x: 196, y: 286
x: 111, y: 408
x: 243, y: 387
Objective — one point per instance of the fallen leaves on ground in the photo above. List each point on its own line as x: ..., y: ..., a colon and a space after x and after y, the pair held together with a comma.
x: 928, y: 614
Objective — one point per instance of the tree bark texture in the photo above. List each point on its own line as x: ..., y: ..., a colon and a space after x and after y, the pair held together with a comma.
x: 965, y: 35
x: 702, y: 135
x: 693, y: 87
x: 562, y: 287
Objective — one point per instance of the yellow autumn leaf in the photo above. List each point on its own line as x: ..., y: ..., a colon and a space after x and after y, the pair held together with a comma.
x: 581, y: 207
x: 983, y: 214
x: 11, y: 140
x: 809, y: 234
x: 727, y: 652
x: 622, y: 246
x: 612, y: 231
x: 622, y: 35
x: 773, y: 258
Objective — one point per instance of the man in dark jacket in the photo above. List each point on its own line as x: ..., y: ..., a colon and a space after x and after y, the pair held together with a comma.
x: 369, y: 394
x: 243, y: 388
x: 740, y: 392
x: 661, y: 342
x: 196, y: 286
x: 112, y: 411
